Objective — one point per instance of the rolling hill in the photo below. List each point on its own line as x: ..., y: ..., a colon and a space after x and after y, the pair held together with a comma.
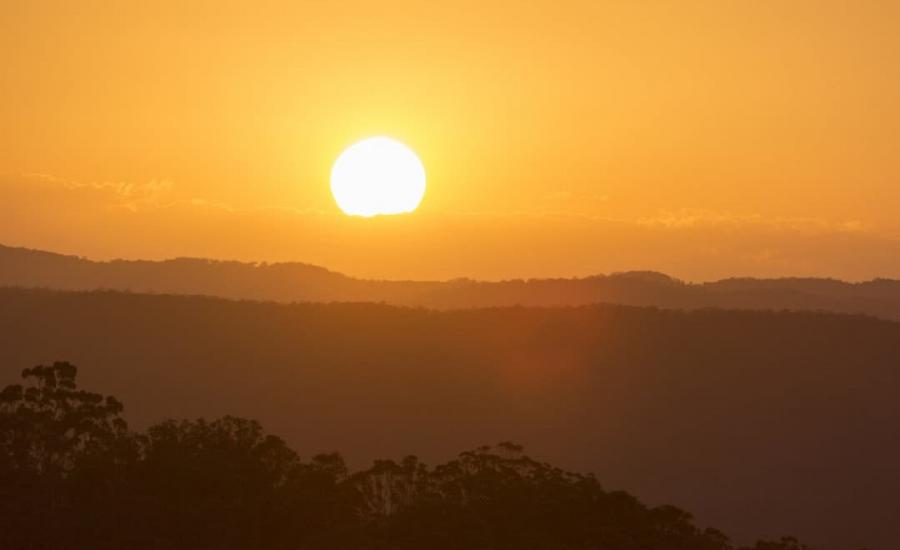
x: 763, y: 423
x: 296, y: 282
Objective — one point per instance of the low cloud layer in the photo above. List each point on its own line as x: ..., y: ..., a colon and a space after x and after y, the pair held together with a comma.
x: 150, y: 220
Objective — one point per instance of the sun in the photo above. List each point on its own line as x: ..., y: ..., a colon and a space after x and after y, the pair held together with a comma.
x: 377, y: 176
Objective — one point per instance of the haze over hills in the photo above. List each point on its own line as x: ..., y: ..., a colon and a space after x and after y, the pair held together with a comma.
x: 298, y: 282
x: 763, y: 423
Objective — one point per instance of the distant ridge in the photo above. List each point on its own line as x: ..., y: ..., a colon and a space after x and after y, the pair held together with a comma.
x: 299, y: 282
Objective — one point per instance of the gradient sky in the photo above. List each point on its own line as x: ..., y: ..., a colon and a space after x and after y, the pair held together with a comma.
x: 704, y: 139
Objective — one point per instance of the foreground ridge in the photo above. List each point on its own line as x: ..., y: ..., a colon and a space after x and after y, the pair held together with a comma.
x: 75, y: 476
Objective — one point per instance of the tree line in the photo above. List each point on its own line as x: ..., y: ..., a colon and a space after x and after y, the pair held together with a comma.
x: 73, y: 475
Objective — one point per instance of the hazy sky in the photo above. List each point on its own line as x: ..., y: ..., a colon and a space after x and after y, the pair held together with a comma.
x: 703, y: 139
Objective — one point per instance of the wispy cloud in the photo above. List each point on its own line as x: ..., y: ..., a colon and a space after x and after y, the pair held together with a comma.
x: 130, y: 195
x: 156, y: 194
x: 701, y: 218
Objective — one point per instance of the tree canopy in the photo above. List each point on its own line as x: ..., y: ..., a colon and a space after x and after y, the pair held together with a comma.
x: 72, y: 475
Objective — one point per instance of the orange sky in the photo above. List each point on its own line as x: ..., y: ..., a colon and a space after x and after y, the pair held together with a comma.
x: 704, y: 139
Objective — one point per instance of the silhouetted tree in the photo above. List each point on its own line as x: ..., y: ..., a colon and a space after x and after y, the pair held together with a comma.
x: 73, y: 476
x: 61, y: 449
x: 210, y: 483
x: 51, y: 428
x: 786, y: 543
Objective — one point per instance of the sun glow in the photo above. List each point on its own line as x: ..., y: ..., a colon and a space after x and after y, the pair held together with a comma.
x: 377, y: 176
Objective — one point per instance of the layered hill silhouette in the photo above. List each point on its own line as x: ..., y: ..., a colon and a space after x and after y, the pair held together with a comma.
x: 297, y: 282
x: 74, y: 476
x: 762, y: 423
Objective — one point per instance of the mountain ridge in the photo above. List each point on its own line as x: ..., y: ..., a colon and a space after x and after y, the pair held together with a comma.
x: 303, y: 282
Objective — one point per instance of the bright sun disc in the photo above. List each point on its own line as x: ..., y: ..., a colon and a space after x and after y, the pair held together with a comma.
x: 376, y: 176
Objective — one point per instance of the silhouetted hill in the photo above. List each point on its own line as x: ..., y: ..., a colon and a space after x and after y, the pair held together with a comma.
x: 762, y: 423
x: 295, y: 282
x: 74, y: 476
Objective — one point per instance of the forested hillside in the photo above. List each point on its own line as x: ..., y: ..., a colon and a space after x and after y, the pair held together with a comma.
x: 73, y: 476
x: 760, y: 423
